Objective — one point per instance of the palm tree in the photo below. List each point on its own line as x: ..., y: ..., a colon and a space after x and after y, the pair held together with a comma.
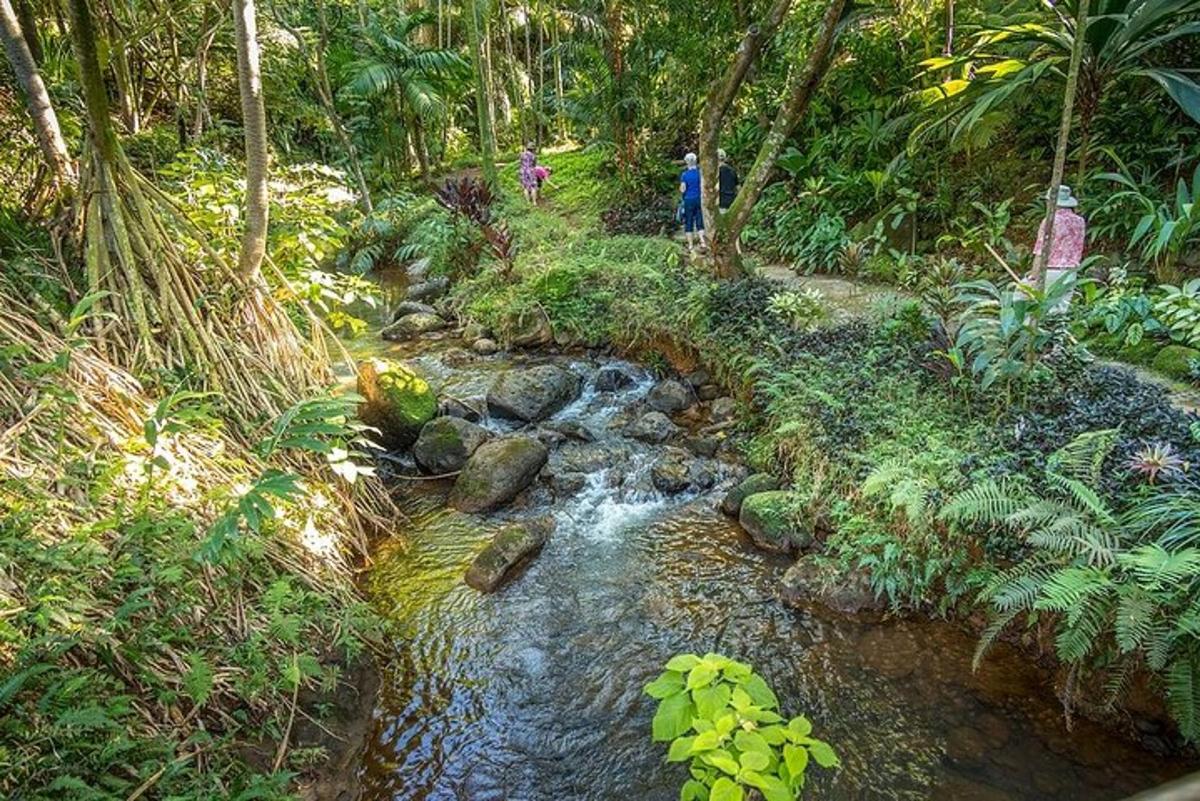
x: 254, y: 121
x: 412, y: 82
x: 1009, y: 61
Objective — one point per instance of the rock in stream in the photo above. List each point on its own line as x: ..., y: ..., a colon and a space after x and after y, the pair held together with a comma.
x: 512, y: 545
x: 497, y: 472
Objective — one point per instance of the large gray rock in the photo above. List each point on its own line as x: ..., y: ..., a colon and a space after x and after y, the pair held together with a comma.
x: 511, y: 546
x: 468, y: 409
x: 532, y: 394
x: 722, y: 409
x: 429, y: 290
x: 612, y: 378
x: 532, y: 332
x: 814, y: 581
x: 497, y: 472
x: 413, y: 325
x: 669, y: 397
x: 773, y: 521
x: 446, y: 443
x: 731, y: 504
x: 407, y: 307
x: 485, y: 347
x: 653, y: 427
x: 677, y: 471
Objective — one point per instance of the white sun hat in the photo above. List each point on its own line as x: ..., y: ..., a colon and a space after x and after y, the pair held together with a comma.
x: 1065, y: 199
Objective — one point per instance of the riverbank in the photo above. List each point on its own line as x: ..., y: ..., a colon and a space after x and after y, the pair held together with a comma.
x: 871, y: 432
x: 534, y: 690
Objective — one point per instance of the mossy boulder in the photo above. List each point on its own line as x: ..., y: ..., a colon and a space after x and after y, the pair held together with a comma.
x: 774, y: 521
x: 758, y: 482
x: 413, y: 325
x: 534, y: 393
x: 512, y: 545
x: 396, y: 401
x: 497, y: 472
x: 816, y: 580
x: 446, y: 443
x: 1175, y: 361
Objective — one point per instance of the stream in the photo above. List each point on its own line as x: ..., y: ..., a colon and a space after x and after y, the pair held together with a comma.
x: 534, y: 693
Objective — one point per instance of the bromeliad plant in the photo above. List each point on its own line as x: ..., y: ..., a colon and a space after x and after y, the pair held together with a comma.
x: 722, y: 718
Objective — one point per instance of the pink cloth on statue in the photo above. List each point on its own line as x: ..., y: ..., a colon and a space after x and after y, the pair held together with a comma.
x: 1070, y: 231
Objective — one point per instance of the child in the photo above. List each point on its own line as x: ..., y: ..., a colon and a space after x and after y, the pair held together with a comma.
x: 542, y: 174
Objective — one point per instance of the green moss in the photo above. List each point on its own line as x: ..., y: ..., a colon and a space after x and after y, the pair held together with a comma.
x: 407, y: 394
x: 1175, y: 361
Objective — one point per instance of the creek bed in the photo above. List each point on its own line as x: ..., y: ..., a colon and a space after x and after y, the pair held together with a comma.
x: 534, y: 693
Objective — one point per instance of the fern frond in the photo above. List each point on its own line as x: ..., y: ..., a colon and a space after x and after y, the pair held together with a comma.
x: 986, y: 503
x: 1183, y: 695
x: 990, y: 634
x: 1083, y: 457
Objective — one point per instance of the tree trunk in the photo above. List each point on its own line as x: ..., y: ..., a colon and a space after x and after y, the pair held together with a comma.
x: 948, y: 48
x: 483, y: 100
x: 37, y: 99
x: 29, y: 27
x: 725, y: 230
x: 127, y: 93
x: 318, y: 70
x: 560, y: 104
x: 254, y: 120
x: 203, y: 117
x: 1060, y: 151
x: 614, y: 20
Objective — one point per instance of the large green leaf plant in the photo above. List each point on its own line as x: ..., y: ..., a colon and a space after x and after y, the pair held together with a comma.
x: 722, y: 718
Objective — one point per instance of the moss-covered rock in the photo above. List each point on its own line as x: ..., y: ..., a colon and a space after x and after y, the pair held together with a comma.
x: 773, y: 521
x: 759, y: 482
x: 497, y: 472
x: 512, y: 545
x: 1175, y: 361
x: 396, y: 401
x: 446, y: 443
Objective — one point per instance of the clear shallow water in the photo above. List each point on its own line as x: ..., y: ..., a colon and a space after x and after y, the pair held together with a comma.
x: 534, y: 693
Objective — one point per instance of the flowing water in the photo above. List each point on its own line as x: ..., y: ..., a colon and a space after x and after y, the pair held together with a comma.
x: 534, y: 693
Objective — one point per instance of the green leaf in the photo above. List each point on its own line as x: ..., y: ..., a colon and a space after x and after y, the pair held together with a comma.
x: 800, y: 725
x: 725, y: 724
x: 669, y: 683
x: 751, y: 741
x: 796, y: 759
x: 701, y: 676
x: 705, y: 741
x: 740, y: 700
x: 681, y: 749
x: 755, y: 760
x: 683, y: 663
x: 673, y: 718
x: 693, y: 790
x: 762, y: 695
x: 725, y: 790
x: 711, y: 701
x: 823, y: 753
x: 722, y: 760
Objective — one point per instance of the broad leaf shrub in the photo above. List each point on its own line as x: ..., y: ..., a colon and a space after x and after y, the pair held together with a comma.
x: 723, y: 720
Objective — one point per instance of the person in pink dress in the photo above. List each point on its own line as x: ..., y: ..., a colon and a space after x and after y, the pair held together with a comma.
x: 528, y: 174
x: 1066, y: 252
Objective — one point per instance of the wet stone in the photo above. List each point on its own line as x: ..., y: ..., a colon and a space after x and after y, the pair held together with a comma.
x: 611, y: 379
x: 708, y: 392
x: 758, y: 482
x: 413, y: 325
x: 496, y: 473
x: 470, y: 409
x: 512, y: 545
x: 669, y: 397
x: 652, y: 427
x: 702, y: 446
x: 407, y: 307
x: 432, y: 289
x: 532, y: 394
x: 722, y: 409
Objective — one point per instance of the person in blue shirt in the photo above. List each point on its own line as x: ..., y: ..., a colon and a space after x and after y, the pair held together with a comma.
x: 689, y: 188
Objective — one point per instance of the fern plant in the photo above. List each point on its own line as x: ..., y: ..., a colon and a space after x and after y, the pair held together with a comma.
x: 1120, y: 588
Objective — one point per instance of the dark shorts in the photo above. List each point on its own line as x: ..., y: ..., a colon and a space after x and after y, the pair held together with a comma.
x: 693, y: 216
